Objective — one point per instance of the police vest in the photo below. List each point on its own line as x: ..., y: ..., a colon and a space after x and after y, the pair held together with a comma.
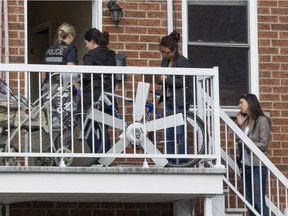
x: 57, y: 54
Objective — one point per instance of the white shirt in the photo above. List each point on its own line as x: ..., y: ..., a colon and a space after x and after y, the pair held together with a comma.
x: 245, y: 155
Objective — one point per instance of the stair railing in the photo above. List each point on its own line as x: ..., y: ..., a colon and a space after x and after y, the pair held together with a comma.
x: 276, y: 185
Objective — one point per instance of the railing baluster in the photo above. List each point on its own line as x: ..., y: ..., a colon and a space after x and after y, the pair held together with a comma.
x: 77, y: 149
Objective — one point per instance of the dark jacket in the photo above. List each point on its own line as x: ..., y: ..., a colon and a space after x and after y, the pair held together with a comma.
x: 98, y: 56
x: 181, y: 62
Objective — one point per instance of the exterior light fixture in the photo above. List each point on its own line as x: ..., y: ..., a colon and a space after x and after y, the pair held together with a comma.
x: 116, y: 11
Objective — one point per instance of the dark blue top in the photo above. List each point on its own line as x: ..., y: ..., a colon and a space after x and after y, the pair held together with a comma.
x: 61, y: 53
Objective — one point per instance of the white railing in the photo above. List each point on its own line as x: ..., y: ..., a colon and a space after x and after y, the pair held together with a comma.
x: 41, y: 130
x: 276, y: 197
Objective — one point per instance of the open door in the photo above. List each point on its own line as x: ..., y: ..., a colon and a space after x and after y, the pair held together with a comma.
x: 39, y: 38
x: 44, y: 18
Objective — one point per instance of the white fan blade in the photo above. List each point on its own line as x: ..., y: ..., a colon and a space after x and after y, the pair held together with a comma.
x: 141, y: 97
x: 108, y: 119
x: 149, y: 148
x: 116, y: 149
x: 170, y: 121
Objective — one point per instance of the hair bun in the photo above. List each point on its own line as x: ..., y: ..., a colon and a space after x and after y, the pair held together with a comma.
x: 175, y: 36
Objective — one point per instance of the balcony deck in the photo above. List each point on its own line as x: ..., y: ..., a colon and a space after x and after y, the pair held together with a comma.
x: 48, y: 137
x: 111, y: 184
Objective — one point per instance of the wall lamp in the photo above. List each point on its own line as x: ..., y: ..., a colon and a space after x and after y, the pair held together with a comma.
x: 116, y: 11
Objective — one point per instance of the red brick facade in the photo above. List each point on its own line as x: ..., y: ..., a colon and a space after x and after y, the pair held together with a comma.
x: 138, y: 34
x: 273, y: 74
x: 16, y: 31
x: 90, y: 209
x: 140, y: 30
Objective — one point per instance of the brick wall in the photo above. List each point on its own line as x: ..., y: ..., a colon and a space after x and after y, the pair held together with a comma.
x: 273, y: 58
x: 144, y: 23
x: 16, y: 31
x: 140, y: 30
x: 90, y: 209
x: 138, y: 36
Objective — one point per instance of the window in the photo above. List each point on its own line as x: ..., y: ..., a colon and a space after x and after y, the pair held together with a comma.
x: 218, y: 35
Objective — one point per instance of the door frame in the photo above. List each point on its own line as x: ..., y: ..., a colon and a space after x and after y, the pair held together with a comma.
x: 96, y: 22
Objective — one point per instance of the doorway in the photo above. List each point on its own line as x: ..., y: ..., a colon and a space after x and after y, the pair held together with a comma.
x: 39, y: 37
x: 44, y: 18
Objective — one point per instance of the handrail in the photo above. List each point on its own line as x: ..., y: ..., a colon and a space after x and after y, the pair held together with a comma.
x: 262, y: 157
x: 254, y: 149
x: 240, y: 196
x: 209, y: 79
x: 109, y: 69
x: 230, y: 163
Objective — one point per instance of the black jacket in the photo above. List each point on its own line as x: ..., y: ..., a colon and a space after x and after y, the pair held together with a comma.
x: 181, y: 62
x: 98, y: 56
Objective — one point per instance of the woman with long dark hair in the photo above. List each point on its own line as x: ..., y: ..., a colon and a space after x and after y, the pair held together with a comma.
x: 256, y: 125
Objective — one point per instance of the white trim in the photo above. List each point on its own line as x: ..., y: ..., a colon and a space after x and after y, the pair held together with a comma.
x: 26, y: 45
x: 184, y: 29
x: 169, y: 16
x: 208, y: 206
x: 97, y: 14
x: 26, y: 32
x: 216, y: 2
x: 108, y: 69
x: 26, y: 81
x: 216, y: 100
x: 253, y: 39
x: 156, y: 185
x: 253, y: 60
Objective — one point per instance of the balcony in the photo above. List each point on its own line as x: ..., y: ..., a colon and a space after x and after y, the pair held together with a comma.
x: 44, y: 142
x: 51, y: 151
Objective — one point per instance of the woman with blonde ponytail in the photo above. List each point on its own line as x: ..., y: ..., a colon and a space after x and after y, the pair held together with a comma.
x: 63, y: 53
x: 65, y: 32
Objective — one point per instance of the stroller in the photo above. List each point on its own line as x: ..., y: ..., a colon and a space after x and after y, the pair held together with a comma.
x: 35, y: 127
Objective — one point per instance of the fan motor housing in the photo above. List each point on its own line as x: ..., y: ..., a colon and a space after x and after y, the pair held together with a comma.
x: 136, y: 132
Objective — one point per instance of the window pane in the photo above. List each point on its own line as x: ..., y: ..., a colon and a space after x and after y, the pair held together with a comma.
x: 233, y: 69
x: 217, y: 23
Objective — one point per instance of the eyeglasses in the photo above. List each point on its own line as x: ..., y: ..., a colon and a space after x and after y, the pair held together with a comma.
x: 163, y: 52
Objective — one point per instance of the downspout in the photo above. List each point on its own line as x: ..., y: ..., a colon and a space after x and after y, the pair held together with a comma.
x: 169, y: 16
